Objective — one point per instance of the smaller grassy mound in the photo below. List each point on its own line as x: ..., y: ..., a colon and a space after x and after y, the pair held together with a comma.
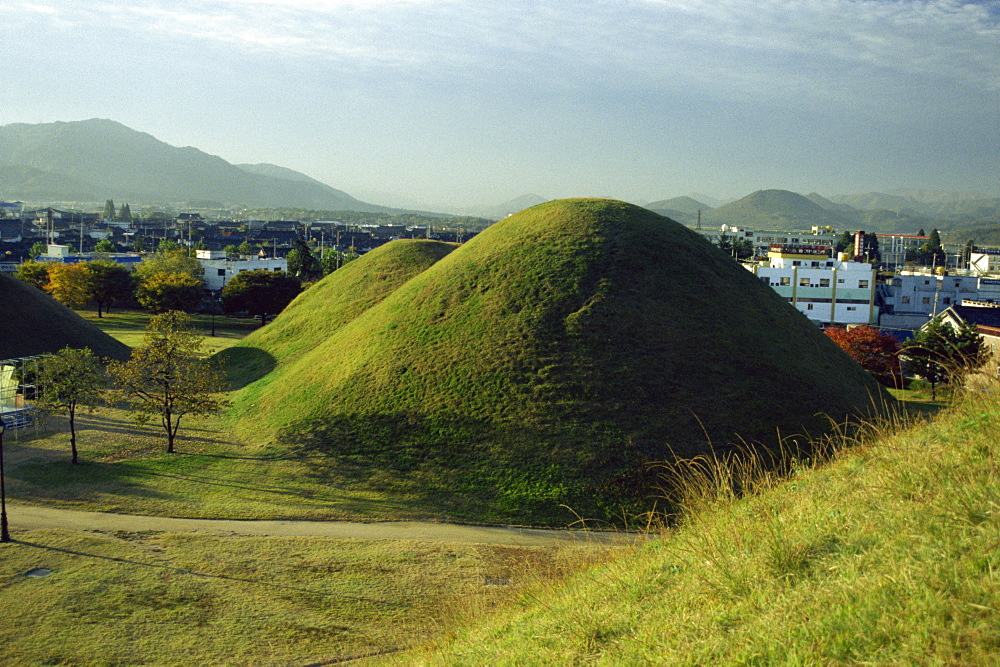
x: 887, y: 555
x: 32, y: 322
x: 328, y: 305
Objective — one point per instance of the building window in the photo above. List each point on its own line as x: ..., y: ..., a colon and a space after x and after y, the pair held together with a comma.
x: 809, y: 306
x: 906, y: 299
x: 862, y: 284
x: 786, y: 281
x: 947, y: 300
x: 795, y: 263
x: 925, y: 300
x: 824, y: 282
x: 222, y: 272
x: 852, y: 308
x: 840, y: 281
x: 803, y: 282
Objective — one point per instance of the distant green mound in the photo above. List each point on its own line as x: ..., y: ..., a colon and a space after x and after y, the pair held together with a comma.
x: 546, y: 362
x: 32, y: 322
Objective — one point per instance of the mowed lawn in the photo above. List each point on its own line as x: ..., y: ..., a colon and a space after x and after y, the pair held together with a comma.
x: 130, y: 598
x: 128, y: 327
x: 149, y: 597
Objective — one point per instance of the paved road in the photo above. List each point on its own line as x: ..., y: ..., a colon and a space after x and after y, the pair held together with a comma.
x: 27, y: 517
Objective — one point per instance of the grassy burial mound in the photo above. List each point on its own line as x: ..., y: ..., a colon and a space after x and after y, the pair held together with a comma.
x: 327, y: 306
x: 548, y: 361
x: 32, y: 322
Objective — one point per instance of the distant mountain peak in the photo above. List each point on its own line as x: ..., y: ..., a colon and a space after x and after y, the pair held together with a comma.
x: 97, y: 159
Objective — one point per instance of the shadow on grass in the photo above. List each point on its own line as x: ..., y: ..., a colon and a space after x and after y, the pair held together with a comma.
x: 244, y: 365
x: 223, y: 577
x: 58, y: 480
x: 473, y: 469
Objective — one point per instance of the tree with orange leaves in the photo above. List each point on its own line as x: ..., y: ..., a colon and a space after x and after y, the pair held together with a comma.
x: 877, y: 352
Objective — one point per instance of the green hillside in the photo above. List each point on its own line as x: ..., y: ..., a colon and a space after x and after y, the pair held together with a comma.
x: 32, y: 322
x: 546, y: 361
x: 887, y: 556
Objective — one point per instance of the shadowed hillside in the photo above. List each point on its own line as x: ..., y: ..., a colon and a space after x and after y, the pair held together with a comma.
x: 548, y: 360
x: 32, y: 322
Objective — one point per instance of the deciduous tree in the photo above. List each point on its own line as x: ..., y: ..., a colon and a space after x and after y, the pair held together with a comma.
x: 876, y: 352
x: 34, y: 273
x: 105, y: 245
x: 170, y: 290
x: 69, y: 284
x: 260, y: 293
x: 171, y: 262
x: 110, y: 283
x: 165, y: 379
x: 38, y: 248
x: 70, y: 379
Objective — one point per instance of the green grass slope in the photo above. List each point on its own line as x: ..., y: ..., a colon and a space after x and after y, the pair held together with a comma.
x: 328, y: 305
x: 32, y: 322
x: 548, y: 360
x: 887, y: 555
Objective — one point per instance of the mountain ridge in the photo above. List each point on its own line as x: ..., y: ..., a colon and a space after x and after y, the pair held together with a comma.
x: 104, y: 159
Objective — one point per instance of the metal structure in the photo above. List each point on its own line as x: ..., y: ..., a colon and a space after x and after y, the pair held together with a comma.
x: 18, y: 389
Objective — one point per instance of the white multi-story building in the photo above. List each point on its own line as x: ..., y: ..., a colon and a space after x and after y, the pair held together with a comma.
x: 219, y: 270
x: 910, y: 299
x: 826, y: 290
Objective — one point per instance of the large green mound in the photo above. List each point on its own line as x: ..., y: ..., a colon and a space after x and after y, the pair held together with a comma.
x: 32, y: 322
x: 551, y: 358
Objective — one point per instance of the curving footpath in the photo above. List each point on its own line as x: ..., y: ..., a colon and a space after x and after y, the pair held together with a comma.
x: 29, y: 517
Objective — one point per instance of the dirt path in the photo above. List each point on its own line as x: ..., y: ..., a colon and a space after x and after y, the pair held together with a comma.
x: 28, y: 517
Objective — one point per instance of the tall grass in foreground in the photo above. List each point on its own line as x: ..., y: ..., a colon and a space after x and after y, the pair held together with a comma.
x: 888, y: 553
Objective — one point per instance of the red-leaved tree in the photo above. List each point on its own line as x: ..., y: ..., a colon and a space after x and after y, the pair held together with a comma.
x: 877, y: 352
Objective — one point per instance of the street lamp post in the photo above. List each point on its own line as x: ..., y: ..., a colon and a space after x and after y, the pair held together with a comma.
x: 4, y: 533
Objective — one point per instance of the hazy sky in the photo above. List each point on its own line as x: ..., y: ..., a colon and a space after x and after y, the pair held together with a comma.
x: 483, y: 100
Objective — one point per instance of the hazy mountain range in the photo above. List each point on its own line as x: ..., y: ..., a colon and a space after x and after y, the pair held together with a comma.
x: 95, y: 160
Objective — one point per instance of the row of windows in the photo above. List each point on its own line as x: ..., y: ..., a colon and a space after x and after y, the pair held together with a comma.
x: 809, y: 306
x: 927, y: 300
x: 785, y: 281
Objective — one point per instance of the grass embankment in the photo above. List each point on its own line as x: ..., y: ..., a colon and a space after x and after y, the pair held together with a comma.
x: 545, y: 363
x: 888, y: 554
x: 169, y: 599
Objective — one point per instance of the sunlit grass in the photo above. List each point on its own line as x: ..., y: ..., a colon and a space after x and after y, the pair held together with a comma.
x: 128, y: 326
x: 887, y: 554
x: 157, y: 598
